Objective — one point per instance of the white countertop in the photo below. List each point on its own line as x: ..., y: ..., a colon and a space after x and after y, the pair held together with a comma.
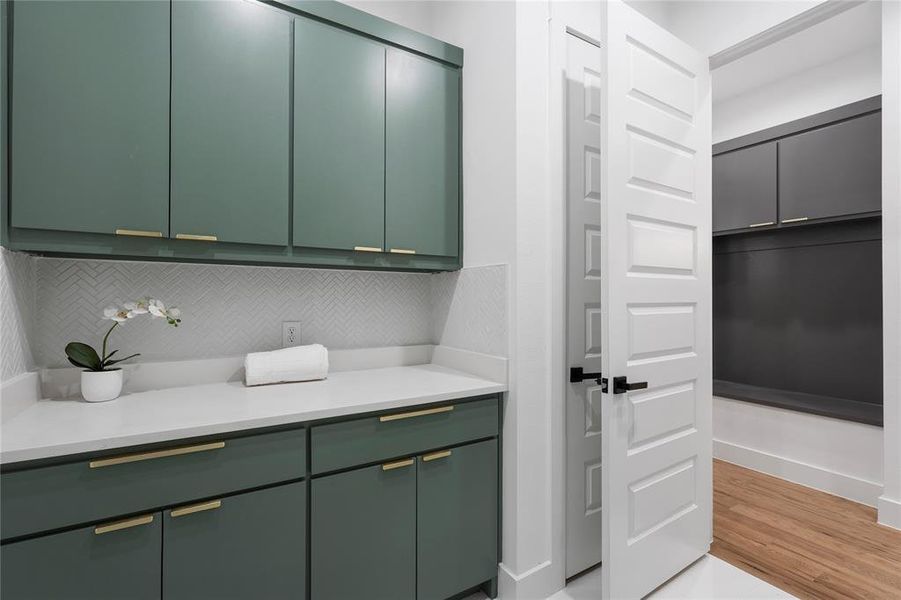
x: 51, y: 428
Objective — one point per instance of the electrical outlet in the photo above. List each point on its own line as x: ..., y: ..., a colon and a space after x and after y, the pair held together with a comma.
x: 290, y: 334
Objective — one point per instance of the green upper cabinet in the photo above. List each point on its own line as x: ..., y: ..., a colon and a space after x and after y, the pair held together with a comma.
x: 422, y: 167
x: 339, y: 138
x: 231, y: 70
x: 90, y: 119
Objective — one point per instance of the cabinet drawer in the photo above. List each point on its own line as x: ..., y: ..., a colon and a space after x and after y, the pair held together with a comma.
x: 91, y: 490
x: 416, y: 429
x: 111, y: 561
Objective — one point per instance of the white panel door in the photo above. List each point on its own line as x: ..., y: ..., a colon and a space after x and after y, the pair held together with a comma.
x: 583, y: 272
x: 656, y: 220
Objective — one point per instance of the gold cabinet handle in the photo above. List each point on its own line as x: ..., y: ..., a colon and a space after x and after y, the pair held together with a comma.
x: 126, y: 524
x: 397, y: 464
x: 763, y: 224
x: 139, y: 233
x: 436, y: 455
x: 416, y: 413
x: 196, y: 238
x: 129, y: 458
x: 402, y: 251
x: 195, y: 508
x: 367, y: 249
x: 795, y: 220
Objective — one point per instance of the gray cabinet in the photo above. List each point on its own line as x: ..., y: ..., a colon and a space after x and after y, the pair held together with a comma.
x: 832, y: 171
x: 90, y: 116
x: 457, y: 514
x: 230, y: 122
x: 744, y: 188
x: 114, y: 560
x: 251, y: 545
x: 339, y: 138
x: 363, y: 533
x: 422, y: 146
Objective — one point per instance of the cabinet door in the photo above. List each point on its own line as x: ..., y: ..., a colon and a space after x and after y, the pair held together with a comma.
x: 111, y: 560
x: 744, y: 188
x: 246, y: 546
x: 832, y: 171
x: 457, y: 529
x: 90, y: 120
x: 230, y: 121
x: 339, y: 138
x: 422, y: 166
x: 363, y: 534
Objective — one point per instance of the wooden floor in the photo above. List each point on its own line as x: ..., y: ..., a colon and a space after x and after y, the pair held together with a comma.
x: 808, y: 543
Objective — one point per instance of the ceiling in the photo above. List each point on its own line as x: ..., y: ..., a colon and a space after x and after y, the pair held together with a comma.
x: 849, y: 33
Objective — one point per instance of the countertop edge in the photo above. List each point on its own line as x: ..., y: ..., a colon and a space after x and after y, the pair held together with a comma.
x: 12, y: 457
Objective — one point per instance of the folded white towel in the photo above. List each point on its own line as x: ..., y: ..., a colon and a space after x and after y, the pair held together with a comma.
x: 300, y: 363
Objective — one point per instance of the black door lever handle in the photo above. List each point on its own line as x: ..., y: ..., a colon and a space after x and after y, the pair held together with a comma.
x: 578, y: 375
x: 621, y: 385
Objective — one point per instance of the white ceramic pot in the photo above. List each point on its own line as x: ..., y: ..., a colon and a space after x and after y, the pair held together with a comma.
x: 100, y: 386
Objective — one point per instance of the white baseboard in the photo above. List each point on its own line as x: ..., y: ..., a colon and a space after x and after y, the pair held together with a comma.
x: 889, y: 512
x: 837, y: 484
x: 535, y: 584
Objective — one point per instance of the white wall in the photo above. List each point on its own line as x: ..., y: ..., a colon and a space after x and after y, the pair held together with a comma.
x: 415, y: 14
x: 839, y: 457
x: 890, y: 502
x: 848, y: 79
x: 485, y: 31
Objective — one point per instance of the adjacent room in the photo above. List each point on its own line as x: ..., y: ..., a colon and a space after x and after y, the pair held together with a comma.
x: 450, y: 299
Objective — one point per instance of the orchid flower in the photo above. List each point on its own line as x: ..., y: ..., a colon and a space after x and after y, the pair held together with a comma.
x: 83, y: 355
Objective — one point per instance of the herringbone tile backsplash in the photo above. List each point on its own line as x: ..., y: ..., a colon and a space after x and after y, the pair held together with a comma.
x: 17, y: 299
x: 232, y: 310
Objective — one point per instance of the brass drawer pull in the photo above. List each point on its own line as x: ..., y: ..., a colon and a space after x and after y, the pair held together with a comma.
x: 139, y: 233
x: 416, y: 413
x: 367, y: 249
x: 398, y: 464
x: 763, y: 224
x: 129, y: 458
x: 195, y: 508
x: 402, y: 251
x: 436, y: 455
x: 795, y: 220
x: 126, y: 524
x: 196, y: 238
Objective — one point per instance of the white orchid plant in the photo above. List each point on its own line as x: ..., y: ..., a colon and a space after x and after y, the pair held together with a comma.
x: 84, y: 356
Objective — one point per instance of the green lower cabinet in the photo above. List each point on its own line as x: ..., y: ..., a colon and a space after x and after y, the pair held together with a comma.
x: 457, y: 519
x: 106, y: 561
x: 250, y: 545
x: 363, y: 534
